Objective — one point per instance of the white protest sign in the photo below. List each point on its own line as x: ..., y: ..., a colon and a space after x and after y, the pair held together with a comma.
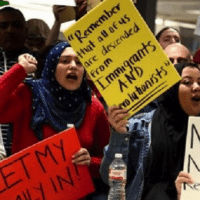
x: 192, y: 160
x: 197, y: 30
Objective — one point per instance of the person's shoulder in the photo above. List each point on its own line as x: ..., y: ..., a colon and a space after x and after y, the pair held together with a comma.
x: 23, y: 87
x: 96, y: 105
x: 95, y: 102
x: 147, y: 116
x: 141, y: 120
x: 147, y: 112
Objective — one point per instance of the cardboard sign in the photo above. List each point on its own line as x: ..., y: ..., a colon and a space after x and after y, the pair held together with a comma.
x: 121, y: 55
x: 44, y: 171
x: 92, y: 4
x: 197, y: 30
x: 67, y: 14
x: 192, y: 160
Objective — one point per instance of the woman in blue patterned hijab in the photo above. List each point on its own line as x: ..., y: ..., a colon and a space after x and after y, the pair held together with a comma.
x: 53, y: 102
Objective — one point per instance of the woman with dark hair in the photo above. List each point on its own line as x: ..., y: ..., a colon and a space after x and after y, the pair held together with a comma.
x: 44, y: 107
x: 168, y: 35
x: 154, y: 146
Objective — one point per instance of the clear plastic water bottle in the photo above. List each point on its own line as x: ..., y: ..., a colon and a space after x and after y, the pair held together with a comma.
x: 117, y: 178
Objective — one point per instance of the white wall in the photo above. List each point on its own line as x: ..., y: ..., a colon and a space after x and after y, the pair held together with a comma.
x: 41, y: 11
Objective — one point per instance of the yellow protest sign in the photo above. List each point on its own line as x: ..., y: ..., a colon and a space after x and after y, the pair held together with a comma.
x: 121, y: 55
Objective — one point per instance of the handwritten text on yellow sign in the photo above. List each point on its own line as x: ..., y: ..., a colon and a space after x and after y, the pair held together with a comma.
x: 121, y: 55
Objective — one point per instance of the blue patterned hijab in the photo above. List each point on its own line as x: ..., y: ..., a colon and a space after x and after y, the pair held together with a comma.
x: 53, y: 104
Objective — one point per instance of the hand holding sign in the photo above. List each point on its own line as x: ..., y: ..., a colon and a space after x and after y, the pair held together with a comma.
x: 117, y: 118
x: 81, y: 8
x: 82, y: 157
x: 191, y: 162
x: 183, y: 177
x: 45, y: 171
x: 61, y: 14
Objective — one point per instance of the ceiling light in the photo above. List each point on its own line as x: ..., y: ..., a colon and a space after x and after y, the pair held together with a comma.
x: 159, y: 21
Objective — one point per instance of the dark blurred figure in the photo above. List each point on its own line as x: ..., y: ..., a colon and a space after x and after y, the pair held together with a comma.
x: 38, y: 32
x: 13, y: 36
x: 12, y: 44
x: 12, y: 29
x: 196, y: 58
x: 37, y: 41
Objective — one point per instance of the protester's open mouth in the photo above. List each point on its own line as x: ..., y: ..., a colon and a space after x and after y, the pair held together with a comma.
x: 196, y: 98
x: 72, y: 76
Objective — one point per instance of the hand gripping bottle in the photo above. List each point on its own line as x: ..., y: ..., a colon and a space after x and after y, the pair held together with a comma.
x: 117, y: 178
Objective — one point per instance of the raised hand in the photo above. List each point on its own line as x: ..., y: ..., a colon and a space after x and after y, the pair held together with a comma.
x: 28, y: 62
x: 57, y: 10
x: 81, y: 8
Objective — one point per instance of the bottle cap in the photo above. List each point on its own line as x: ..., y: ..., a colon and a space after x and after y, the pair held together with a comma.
x: 70, y: 125
x: 118, y: 155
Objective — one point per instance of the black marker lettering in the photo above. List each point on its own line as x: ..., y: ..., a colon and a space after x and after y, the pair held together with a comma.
x: 47, y: 152
x: 41, y: 190
x: 61, y: 179
x: 61, y: 147
x: 13, y: 182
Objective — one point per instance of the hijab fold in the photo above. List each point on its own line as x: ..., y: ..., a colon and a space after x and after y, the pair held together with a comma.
x: 53, y: 104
